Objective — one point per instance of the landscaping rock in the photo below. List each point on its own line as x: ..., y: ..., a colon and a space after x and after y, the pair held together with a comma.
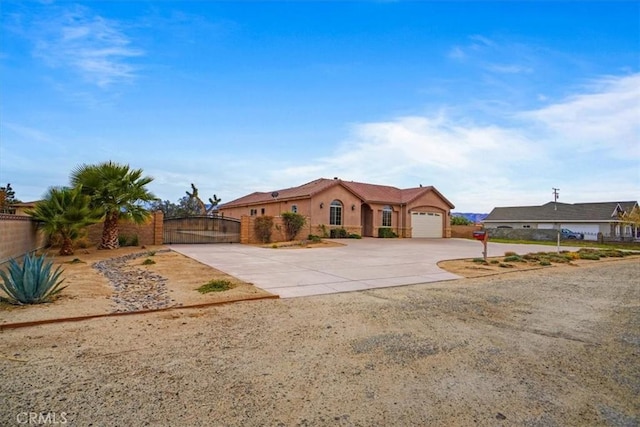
x: 135, y: 289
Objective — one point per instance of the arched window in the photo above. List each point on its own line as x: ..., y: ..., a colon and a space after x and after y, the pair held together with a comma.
x: 386, y: 216
x: 335, y: 213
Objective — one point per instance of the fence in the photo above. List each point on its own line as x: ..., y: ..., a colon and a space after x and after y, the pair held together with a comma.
x: 19, y: 235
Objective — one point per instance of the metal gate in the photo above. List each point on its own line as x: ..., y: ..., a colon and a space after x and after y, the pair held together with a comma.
x: 201, y: 229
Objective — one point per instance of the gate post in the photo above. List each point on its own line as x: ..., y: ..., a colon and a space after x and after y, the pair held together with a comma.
x: 245, y: 229
x: 158, y: 227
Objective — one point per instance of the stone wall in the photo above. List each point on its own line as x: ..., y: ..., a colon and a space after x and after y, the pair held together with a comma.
x: 18, y: 236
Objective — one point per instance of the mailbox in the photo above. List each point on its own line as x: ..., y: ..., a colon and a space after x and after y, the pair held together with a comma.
x: 480, y: 235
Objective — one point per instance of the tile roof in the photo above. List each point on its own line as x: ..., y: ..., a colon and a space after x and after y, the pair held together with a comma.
x: 366, y: 192
x: 603, y: 211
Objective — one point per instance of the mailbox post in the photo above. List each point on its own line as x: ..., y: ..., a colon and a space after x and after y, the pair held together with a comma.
x: 483, y: 236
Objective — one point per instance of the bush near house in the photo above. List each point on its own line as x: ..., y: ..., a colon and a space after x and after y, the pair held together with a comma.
x: 293, y: 223
x: 263, y: 226
x: 386, y: 233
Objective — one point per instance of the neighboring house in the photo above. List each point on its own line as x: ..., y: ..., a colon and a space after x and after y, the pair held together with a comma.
x: 355, y: 206
x: 19, y: 208
x: 584, y: 218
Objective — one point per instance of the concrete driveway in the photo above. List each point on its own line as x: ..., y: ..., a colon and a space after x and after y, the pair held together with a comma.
x: 359, y: 264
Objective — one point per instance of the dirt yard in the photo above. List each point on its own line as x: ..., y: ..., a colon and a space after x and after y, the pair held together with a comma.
x: 89, y: 292
x: 553, y: 346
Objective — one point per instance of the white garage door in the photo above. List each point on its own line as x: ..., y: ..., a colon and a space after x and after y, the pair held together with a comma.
x: 426, y: 224
x: 590, y: 231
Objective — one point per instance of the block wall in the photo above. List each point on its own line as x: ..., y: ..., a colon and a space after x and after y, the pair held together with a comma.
x: 18, y: 236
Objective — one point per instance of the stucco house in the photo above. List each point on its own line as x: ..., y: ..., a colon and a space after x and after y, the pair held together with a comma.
x: 358, y: 207
x: 584, y: 218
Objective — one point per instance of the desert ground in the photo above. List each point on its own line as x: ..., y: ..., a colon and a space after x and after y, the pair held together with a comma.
x: 552, y: 346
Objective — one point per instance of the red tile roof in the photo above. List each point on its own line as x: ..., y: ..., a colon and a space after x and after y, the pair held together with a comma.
x: 366, y: 192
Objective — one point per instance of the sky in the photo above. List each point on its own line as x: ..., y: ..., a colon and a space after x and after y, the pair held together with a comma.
x: 492, y: 103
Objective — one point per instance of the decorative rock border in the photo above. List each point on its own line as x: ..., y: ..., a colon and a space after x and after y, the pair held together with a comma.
x: 135, y: 289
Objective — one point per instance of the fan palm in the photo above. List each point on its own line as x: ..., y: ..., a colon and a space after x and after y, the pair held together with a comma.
x: 65, y: 212
x: 118, y: 192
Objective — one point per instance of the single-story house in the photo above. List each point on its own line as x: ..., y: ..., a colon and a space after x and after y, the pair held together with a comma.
x: 584, y: 218
x: 357, y: 207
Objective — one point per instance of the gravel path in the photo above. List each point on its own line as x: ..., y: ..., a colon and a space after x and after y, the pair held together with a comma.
x: 553, y: 347
x: 135, y: 289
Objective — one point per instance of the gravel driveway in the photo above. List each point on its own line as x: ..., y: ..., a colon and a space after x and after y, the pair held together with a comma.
x: 553, y: 347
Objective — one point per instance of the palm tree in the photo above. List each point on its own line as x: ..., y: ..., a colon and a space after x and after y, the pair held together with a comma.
x: 65, y: 212
x: 118, y: 192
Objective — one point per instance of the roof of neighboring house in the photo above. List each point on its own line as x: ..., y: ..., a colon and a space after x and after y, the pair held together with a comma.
x: 575, y: 212
x: 371, y: 193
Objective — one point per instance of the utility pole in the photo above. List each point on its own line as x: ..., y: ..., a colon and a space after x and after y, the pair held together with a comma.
x: 556, y: 196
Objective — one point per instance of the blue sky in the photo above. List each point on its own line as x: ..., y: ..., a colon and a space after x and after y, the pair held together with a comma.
x: 493, y: 103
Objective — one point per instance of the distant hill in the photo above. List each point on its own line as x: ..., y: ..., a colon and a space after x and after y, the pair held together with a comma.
x: 473, y: 217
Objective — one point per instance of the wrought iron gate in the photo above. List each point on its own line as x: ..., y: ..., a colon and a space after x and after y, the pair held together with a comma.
x: 201, y: 229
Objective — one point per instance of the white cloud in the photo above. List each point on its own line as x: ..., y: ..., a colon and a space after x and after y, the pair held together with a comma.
x: 482, y: 166
x: 94, y: 47
x: 607, y: 118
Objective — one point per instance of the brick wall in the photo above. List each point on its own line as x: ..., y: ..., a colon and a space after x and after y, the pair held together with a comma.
x: 18, y: 236
x: 149, y: 233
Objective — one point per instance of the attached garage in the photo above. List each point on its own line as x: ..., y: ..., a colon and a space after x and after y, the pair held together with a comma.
x: 590, y: 231
x: 426, y: 224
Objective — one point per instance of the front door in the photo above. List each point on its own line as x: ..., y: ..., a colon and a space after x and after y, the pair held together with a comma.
x: 366, y: 220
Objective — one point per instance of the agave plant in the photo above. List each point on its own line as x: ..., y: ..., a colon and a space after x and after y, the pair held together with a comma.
x: 31, y: 283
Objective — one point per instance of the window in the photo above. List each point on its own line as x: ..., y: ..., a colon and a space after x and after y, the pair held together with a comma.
x: 294, y: 208
x: 254, y: 212
x: 262, y: 211
x: 386, y: 216
x: 335, y: 213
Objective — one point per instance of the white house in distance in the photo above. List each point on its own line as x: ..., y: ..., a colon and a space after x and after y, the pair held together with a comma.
x: 584, y: 218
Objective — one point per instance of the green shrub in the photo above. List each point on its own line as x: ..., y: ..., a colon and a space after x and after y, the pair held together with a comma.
x: 293, y: 223
x: 503, y: 265
x: 479, y: 260
x: 612, y: 253
x: 386, y: 233
x: 512, y: 258
x: 589, y: 255
x: 31, y: 283
x: 510, y: 253
x: 314, y: 239
x: 545, y: 262
x: 148, y: 261
x: 125, y: 240
x: 338, y: 233
x: 354, y: 236
x: 215, y: 285
x: 262, y: 226
x: 494, y: 261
